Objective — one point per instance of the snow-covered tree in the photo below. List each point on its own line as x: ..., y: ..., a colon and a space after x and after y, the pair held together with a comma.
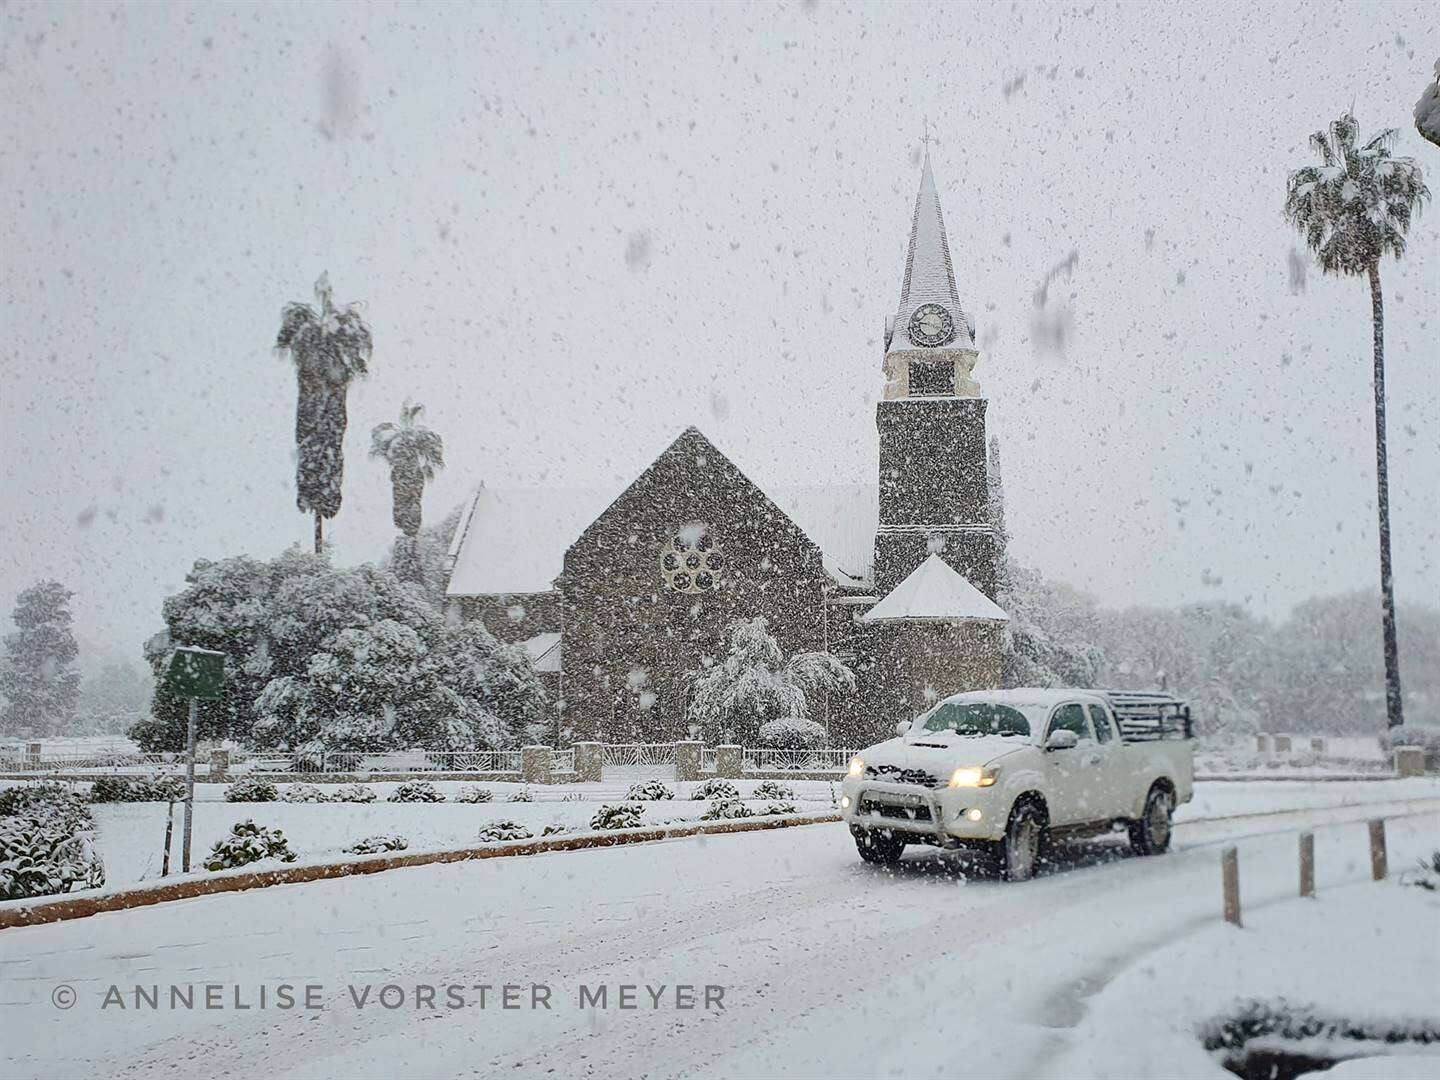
x: 38, y: 677
x: 329, y: 347
x: 754, y: 683
x: 1427, y: 109
x: 414, y: 454
x: 1354, y: 209
x: 1049, y: 640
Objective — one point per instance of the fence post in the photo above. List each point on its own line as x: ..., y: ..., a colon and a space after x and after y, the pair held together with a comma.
x: 1317, y: 746
x: 730, y: 761
x: 1262, y: 743
x: 535, y: 764
x: 1409, y: 761
x: 1282, y: 744
x: 687, y: 759
x: 1230, y: 884
x: 219, y: 765
x: 1378, y: 866
x: 1307, y: 864
x: 589, y: 762
x: 32, y: 755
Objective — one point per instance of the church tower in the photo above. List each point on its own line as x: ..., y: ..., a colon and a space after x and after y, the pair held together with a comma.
x: 933, y: 483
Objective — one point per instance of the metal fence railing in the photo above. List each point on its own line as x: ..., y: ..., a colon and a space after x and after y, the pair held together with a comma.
x: 639, y: 754
x: 837, y: 760
x: 562, y: 761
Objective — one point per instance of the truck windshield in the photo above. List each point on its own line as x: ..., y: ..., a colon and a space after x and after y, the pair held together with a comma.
x: 977, y: 718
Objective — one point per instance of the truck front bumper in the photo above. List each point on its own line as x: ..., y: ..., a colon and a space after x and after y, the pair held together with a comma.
x: 945, y: 816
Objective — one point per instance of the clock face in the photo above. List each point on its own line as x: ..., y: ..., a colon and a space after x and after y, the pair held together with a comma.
x: 931, y: 325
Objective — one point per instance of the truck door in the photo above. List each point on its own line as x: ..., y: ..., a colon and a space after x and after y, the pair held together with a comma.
x: 1076, y: 780
x: 1113, y: 762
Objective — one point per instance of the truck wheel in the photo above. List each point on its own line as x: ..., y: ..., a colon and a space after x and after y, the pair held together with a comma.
x: 880, y: 847
x: 1151, y: 834
x: 1024, y: 837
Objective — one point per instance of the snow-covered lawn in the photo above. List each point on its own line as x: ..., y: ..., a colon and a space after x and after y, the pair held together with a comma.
x: 829, y: 967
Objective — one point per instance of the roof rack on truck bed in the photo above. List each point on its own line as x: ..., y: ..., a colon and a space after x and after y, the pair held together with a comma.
x: 1144, y: 717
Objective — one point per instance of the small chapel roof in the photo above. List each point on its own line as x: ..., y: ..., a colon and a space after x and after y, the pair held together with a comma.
x: 929, y: 272
x: 935, y: 592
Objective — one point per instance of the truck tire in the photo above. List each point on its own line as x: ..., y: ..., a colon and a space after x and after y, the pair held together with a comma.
x: 1151, y: 834
x: 1024, y: 840
x: 879, y: 847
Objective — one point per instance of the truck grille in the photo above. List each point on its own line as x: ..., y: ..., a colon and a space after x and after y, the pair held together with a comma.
x: 901, y: 813
x: 892, y: 774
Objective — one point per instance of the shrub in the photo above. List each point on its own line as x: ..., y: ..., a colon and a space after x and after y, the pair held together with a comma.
x: 417, y: 791
x: 1426, y: 875
x: 356, y: 793
x: 372, y: 845
x: 46, y: 842
x: 554, y: 828
x: 496, y: 831
x: 772, y: 789
x: 725, y: 809
x: 791, y: 733
x: 523, y: 795
x: 303, y: 793
x: 649, y: 791
x: 620, y: 816
x: 251, y: 790
x: 475, y: 794
x: 716, y: 789
x: 248, y: 843
x: 113, y: 789
x: 1426, y: 738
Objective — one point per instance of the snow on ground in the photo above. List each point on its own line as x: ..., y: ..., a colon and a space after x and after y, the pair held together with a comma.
x: 829, y: 967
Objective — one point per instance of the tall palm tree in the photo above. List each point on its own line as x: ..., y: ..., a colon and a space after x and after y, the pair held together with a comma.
x: 1354, y: 208
x: 329, y: 347
x: 414, y: 454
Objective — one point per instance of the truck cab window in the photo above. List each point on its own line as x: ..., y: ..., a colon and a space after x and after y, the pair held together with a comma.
x: 1103, y: 731
x: 1071, y: 718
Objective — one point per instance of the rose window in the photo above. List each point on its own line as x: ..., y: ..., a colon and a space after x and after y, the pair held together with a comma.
x: 691, y: 561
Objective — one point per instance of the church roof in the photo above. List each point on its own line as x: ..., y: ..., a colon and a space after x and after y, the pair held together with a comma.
x: 514, y: 539
x: 935, y: 592
x: 929, y: 272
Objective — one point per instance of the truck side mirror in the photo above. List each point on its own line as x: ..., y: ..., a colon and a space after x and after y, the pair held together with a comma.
x: 902, y: 727
x: 1062, y: 739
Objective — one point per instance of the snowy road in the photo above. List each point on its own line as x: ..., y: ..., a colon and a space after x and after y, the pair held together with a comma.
x: 829, y: 967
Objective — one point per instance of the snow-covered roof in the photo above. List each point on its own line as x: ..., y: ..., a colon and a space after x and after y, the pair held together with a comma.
x: 935, y: 592
x: 929, y: 272
x: 544, y: 651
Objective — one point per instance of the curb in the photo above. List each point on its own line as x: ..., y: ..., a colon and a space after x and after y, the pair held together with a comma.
x: 80, y: 906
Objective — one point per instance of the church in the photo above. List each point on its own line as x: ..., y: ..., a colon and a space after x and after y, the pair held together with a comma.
x: 618, y: 595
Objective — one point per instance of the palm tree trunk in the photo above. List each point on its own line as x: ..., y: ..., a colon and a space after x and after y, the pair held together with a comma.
x: 319, y: 535
x: 1394, y: 711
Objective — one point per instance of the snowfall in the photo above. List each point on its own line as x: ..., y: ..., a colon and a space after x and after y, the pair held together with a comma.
x: 818, y: 964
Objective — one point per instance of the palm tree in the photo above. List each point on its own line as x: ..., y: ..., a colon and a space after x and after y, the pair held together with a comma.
x: 329, y: 347
x: 1353, y: 209
x: 414, y: 454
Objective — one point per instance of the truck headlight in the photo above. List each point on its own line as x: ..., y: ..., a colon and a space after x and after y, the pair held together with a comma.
x: 857, y: 767
x: 973, y: 776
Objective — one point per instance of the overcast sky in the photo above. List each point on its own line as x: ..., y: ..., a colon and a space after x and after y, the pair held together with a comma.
x: 577, y: 230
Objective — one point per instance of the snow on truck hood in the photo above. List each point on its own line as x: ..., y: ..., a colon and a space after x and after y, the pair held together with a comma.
x: 929, y: 749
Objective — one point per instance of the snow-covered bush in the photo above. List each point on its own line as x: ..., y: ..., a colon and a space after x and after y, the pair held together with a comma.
x: 354, y: 793
x: 555, y: 828
x: 416, y: 791
x: 1426, y: 874
x: 252, y: 790
x: 496, y: 831
x: 715, y: 788
x: 1426, y: 738
x: 725, y: 809
x: 46, y: 842
x: 649, y: 791
x: 773, y: 789
x: 791, y: 733
x: 523, y: 795
x: 474, y: 793
x: 754, y: 682
x: 372, y: 845
x: 248, y: 843
x: 303, y: 793
x: 617, y: 816
x: 117, y: 789
x: 778, y: 808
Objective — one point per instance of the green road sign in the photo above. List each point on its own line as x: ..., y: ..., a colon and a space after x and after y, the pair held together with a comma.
x: 196, y: 673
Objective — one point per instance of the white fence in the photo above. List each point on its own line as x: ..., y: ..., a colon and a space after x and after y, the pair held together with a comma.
x: 836, y: 761
x: 617, y: 754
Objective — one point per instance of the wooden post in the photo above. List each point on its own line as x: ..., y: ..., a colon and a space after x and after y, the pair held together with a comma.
x: 190, y: 727
x: 1230, y: 881
x: 1377, y: 849
x: 1307, y: 864
x: 169, y: 828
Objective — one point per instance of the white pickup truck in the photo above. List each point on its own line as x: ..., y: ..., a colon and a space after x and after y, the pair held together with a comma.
x: 1009, y: 769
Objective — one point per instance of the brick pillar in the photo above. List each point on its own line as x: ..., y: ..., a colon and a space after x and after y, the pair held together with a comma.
x: 1409, y: 761
x: 729, y: 761
x: 535, y: 766
x: 1317, y: 746
x: 589, y: 761
x: 219, y: 764
x: 687, y: 760
x: 32, y: 755
x: 1282, y: 744
x: 1262, y: 744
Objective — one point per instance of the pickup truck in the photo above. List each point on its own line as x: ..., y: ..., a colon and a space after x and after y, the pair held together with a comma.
x: 1010, y: 769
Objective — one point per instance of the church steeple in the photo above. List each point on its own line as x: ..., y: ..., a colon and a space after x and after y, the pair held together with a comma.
x: 930, y: 337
